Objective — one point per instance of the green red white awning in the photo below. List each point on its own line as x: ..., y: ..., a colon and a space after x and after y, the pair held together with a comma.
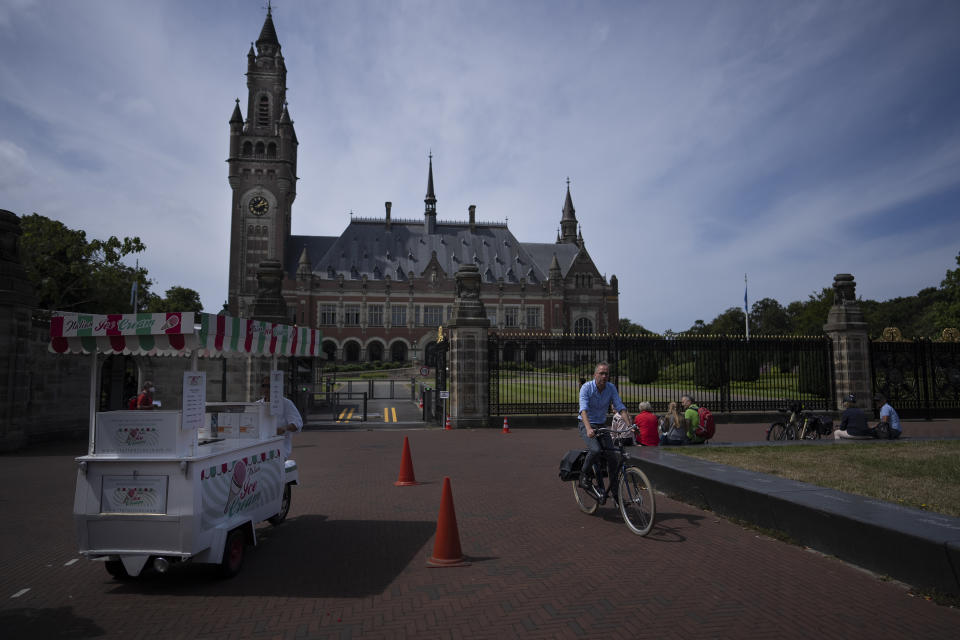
x: 180, y: 333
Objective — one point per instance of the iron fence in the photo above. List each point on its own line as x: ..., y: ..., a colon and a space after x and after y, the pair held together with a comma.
x: 920, y: 377
x: 542, y: 373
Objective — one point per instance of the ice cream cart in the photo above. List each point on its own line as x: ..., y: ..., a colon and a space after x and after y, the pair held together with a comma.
x: 162, y: 486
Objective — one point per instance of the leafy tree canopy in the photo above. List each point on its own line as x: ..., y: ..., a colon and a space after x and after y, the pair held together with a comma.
x: 925, y: 314
x: 71, y: 273
x: 177, y: 299
x: 627, y: 327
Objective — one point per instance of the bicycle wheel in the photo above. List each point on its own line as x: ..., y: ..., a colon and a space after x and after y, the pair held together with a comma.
x: 777, y: 431
x: 585, y: 499
x: 810, y: 432
x: 636, y: 501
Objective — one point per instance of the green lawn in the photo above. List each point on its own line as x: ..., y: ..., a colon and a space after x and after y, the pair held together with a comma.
x: 925, y: 475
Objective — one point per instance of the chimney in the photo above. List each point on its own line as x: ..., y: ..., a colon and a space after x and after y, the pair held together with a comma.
x: 473, y: 217
x: 387, y: 205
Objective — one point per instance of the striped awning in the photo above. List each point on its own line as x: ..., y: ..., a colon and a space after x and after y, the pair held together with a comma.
x: 180, y: 333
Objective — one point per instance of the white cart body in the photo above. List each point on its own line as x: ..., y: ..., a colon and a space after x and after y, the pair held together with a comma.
x: 150, y: 488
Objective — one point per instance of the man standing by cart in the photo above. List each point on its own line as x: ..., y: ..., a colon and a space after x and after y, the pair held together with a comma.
x: 288, y: 421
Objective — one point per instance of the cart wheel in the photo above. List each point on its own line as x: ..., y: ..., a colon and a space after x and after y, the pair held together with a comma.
x: 116, y: 569
x: 233, y: 552
x: 284, y: 507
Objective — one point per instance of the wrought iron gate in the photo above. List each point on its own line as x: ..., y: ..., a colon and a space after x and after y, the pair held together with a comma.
x: 920, y: 377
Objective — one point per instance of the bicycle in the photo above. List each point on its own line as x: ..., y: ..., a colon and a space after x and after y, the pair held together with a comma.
x: 801, y: 425
x: 634, y: 490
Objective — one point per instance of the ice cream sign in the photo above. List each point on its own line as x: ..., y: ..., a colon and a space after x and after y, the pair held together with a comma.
x: 238, y: 486
x: 134, y: 494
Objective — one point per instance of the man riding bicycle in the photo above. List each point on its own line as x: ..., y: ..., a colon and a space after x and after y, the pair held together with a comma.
x: 596, y: 397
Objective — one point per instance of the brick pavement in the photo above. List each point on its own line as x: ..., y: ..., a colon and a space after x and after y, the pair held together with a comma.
x: 351, y: 560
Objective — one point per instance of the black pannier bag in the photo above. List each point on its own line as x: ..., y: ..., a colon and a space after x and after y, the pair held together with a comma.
x: 571, y: 463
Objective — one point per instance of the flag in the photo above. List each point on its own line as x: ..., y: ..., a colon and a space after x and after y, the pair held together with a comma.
x: 746, y: 309
x: 133, y: 293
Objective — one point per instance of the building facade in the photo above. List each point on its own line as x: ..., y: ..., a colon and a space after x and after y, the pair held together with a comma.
x: 382, y: 288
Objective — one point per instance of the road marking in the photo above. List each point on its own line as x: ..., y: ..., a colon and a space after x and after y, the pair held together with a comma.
x: 386, y: 414
x: 394, y: 410
x: 345, y: 415
x: 70, y: 562
x: 19, y: 593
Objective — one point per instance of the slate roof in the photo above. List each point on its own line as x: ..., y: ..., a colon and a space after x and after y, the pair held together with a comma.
x: 366, y: 247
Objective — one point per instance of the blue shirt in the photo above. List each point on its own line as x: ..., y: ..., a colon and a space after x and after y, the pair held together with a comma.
x: 596, y: 403
x: 887, y: 410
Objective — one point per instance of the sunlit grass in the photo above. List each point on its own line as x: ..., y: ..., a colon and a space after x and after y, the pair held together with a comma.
x: 924, y: 475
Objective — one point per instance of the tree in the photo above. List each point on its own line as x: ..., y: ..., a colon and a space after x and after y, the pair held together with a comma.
x: 807, y: 318
x: 628, y: 328
x: 729, y: 323
x: 70, y: 273
x: 177, y: 299
x: 946, y: 311
x: 768, y: 318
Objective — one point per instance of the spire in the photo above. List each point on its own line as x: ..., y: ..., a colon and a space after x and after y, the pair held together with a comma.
x: 285, y: 116
x: 268, y: 35
x: 430, y: 202
x: 431, y: 198
x: 568, y: 221
x: 569, y: 213
x: 237, y: 117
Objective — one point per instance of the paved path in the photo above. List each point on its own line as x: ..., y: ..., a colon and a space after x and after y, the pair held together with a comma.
x: 350, y: 561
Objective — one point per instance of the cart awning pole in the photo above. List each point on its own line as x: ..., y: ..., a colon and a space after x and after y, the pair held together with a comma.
x: 94, y: 396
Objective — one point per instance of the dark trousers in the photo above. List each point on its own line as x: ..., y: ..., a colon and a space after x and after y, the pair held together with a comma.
x: 594, y: 448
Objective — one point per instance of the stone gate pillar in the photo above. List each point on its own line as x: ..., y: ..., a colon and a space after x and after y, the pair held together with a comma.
x: 851, y: 344
x: 467, y: 355
x: 17, y: 300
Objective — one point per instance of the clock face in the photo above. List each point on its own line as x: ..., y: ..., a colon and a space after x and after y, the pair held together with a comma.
x: 258, y: 205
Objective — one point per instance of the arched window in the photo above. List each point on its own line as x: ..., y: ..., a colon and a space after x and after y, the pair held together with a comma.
x: 259, y: 148
x: 248, y: 148
x: 272, y: 150
x: 375, y: 351
x: 398, y: 352
x: 583, y: 325
x: 263, y: 112
x: 351, y: 351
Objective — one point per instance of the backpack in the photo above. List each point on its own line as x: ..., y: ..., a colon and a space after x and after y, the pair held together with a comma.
x: 571, y: 464
x: 707, y: 427
x: 132, y: 403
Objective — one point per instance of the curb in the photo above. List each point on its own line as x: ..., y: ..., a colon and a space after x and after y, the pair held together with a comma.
x: 914, y: 546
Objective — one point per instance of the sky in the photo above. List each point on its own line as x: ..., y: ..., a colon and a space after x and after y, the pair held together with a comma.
x: 787, y: 141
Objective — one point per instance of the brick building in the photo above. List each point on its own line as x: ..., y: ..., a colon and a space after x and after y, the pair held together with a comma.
x: 381, y: 288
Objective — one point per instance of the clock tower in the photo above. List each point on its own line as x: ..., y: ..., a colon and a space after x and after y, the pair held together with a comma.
x: 263, y: 170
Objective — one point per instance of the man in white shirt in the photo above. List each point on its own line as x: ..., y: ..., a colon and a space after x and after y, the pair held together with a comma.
x: 288, y: 421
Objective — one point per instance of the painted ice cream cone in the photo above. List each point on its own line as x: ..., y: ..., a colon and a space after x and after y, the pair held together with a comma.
x: 236, y: 483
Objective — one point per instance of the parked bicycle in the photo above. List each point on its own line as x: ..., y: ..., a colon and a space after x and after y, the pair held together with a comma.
x: 799, y: 425
x: 634, y: 491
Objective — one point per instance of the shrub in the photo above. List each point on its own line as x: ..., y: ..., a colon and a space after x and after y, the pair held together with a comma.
x: 641, y: 368
x: 708, y: 372
x: 745, y: 366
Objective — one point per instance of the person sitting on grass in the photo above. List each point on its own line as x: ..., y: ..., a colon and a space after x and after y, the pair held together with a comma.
x: 692, y: 414
x: 889, y: 426
x: 647, y: 434
x: 853, y: 422
x: 673, y: 427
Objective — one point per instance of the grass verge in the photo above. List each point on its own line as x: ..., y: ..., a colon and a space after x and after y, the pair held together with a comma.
x: 924, y: 475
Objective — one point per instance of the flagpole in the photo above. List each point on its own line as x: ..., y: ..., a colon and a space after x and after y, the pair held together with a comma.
x: 136, y: 277
x: 746, y: 309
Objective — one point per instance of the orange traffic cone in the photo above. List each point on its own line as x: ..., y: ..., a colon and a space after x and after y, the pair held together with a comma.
x: 406, y: 477
x: 447, y: 426
x: 420, y: 406
x: 446, y: 546
x: 506, y: 427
